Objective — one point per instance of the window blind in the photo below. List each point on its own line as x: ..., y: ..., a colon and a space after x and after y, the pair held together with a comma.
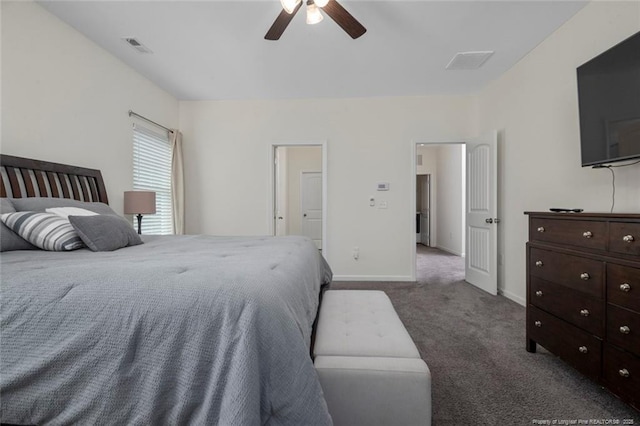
x: 152, y: 172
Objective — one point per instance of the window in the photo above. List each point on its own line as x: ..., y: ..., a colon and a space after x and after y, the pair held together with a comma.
x: 152, y: 172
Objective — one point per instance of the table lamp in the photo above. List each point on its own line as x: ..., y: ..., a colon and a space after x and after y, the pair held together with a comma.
x: 139, y: 203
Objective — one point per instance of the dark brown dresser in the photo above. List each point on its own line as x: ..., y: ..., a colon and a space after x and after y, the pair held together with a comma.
x: 583, y: 295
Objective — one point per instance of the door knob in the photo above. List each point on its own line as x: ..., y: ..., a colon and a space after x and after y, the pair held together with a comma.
x: 489, y: 220
x: 280, y: 217
x: 304, y: 215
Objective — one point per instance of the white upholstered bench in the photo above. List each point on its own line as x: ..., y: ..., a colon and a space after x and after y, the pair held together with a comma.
x: 369, y: 368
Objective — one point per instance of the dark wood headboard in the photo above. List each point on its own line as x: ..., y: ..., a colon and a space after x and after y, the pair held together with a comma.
x: 25, y: 177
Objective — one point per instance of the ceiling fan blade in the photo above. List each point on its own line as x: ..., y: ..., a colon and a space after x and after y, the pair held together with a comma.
x: 281, y: 23
x: 344, y: 19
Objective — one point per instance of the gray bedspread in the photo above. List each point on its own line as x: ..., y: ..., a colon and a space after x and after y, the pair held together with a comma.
x: 180, y: 330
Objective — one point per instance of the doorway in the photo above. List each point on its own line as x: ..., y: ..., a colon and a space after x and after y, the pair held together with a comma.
x: 479, y: 199
x: 440, y: 204
x: 299, y: 186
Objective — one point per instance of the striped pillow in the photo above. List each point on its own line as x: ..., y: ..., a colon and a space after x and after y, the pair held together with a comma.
x: 44, y: 230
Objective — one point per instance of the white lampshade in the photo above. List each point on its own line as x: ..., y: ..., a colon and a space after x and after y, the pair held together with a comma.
x: 321, y: 3
x: 313, y: 14
x: 289, y: 5
x: 139, y: 202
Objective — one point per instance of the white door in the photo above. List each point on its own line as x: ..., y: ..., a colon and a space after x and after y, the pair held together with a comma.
x: 311, y: 206
x: 481, y: 216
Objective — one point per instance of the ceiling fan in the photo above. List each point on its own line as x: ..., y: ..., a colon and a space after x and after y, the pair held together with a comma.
x: 331, y: 7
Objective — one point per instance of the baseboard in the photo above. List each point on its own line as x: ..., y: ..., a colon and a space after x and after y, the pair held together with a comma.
x: 450, y: 251
x: 402, y: 278
x: 519, y: 300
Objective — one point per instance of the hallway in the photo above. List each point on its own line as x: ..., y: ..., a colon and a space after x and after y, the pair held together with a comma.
x: 434, y: 266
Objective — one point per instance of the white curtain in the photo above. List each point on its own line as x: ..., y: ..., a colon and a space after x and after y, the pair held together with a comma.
x: 177, y: 182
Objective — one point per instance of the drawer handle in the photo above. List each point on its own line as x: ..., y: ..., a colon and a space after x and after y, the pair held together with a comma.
x: 625, y: 329
x: 538, y: 324
x: 624, y: 372
x: 625, y: 287
x: 585, y: 276
x: 584, y: 312
x: 587, y: 234
x: 541, y: 229
x: 583, y: 349
x: 539, y: 263
x: 628, y: 238
x: 539, y: 293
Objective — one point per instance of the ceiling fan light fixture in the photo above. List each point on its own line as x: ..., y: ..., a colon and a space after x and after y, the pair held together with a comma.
x: 289, y: 5
x: 321, y: 3
x: 313, y: 14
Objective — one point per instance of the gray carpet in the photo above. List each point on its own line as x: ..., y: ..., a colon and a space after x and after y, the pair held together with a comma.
x: 474, y: 345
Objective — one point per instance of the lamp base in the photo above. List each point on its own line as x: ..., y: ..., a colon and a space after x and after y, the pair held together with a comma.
x: 139, y: 216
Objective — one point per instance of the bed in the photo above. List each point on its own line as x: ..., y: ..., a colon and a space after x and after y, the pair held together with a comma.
x: 178, y: 330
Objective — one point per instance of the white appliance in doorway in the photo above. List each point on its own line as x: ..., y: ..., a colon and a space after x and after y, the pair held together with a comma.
x: 424, y: 209
x: 311, y: 206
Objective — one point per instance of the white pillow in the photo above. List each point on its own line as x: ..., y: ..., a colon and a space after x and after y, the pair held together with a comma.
x: 70, y: 211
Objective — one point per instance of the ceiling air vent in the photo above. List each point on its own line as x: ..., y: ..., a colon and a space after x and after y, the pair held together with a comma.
x: 131, y: 41
x: 469, y: 60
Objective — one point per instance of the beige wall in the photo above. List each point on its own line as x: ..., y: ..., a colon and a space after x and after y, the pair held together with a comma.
x: 535, y: 107
x: 65, y: 99
x: 450, y: 186
x: 227, y: 151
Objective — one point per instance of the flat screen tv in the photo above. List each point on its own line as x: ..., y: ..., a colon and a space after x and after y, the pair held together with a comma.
x: 609, y: 104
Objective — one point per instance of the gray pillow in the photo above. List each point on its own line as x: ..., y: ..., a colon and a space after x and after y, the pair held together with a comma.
x: 105, y: 232
x: 39, y: 204
x: 9, y: 240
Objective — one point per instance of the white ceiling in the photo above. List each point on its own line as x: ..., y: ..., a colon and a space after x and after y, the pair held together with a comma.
x: 209, y: 50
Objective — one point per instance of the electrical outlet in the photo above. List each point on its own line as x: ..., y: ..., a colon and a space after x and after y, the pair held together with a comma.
x: 356, y: 253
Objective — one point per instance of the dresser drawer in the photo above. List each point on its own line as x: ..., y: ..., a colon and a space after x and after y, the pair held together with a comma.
x: 624, y: 238
x: 570, y: 305
x: 579, y: 273
x: 623, y: 286
x: 577, y: 347
x: 621, y: 372
x: 623, y: 328
x: 582, y: 233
